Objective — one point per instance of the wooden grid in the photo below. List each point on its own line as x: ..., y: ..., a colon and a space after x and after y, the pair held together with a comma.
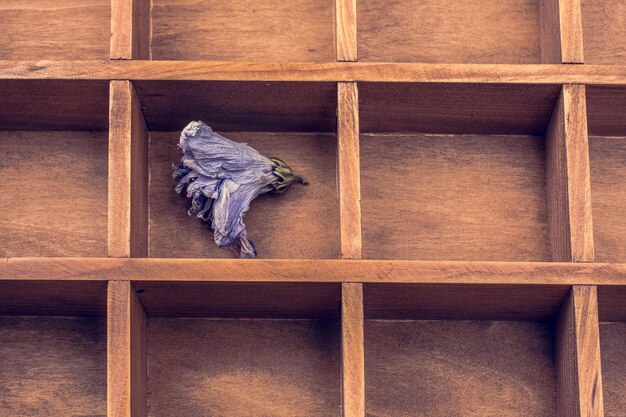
x: 572, y: 274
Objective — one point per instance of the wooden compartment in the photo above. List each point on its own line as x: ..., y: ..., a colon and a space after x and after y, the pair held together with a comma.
x: 292, y: 121
x: 53, y: 348
x: 53, y: 169
x: 458, y: 31
x: 455, y: 172
x: 606, y: 107
x: 247, y: 349
x: 612, y: 312
x: 65, y: 29
x: 437, y: 350
x: 251, y: 30
x: 604, y: 31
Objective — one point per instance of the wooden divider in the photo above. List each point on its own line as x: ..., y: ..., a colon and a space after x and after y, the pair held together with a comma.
x: 568, y: 180
x: 352, y: 351
x: 561, y: 32
x: 126, y: 352
x: 130, y: 29
x: 128, y: 173
x: 579, y: 377
x: 346, y: 30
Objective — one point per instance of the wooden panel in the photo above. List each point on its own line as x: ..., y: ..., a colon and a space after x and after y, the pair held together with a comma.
x: 578, y: 355
x: 254, y: 30
x: 243, y: 368
x: 443, y: 368
x: 550, y: 31
x: 128, y: 174
x: 611, y: 303
x: 463, y: 31
x: 240, y: 106
x: 301, y: 223
x: 607, y: 110
x: 608, y: 185
x: 461, y: 197
x: 130, y: 29
x: 604, y: 27
x: 126, y: 352
x: 346, y: 30
x: 53, y: 366
x: 613, y: 341
x: 463, y: 302
x: 53, y: 105
x: 53, y: 298
x: 64, y: 29
x: 456, y: 108
x: 561, y: 31
x: 237, y: 300
x: 349, y: 171
x: 58, y: 184
x: 568, y: 182
x: 352, y: 355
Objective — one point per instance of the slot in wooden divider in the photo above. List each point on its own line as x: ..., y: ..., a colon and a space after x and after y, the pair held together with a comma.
x: 127, y: 366
x: 130, y: 29
x: 352, y: 351
x: 128, y: 173
x: 568, y: 179
x: 346, y: 30
x: 561, y: 32
x: 578, y: 355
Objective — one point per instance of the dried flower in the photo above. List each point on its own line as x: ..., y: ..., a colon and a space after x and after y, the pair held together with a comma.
x: 222, y: 178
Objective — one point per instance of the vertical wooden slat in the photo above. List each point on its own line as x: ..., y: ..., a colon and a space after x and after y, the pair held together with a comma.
x: 346, y: 30
x: 578, y: 355
x: 568, y: 180
x: 352, y: 351
x: 561, y: 32
x: 128, y: 173
x: 130, y: 29
x: 126, y: 352
x: 349, y: 170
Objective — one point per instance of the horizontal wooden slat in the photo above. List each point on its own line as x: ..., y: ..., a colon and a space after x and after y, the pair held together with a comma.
x: 304, y: 270
x: 299, y: 71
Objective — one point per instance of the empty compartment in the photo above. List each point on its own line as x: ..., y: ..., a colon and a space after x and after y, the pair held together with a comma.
x: 61, y: 30
x: 247, y: 349
x: 455, y: 172
x: 604, y: 31
x: 255, y: 30
x: 295, y: 122
x: 447, y: 350
x: 53, y: 168
x: 458, y: 31
x: 53, y: 348
x: 606, y: 109
x: 612, y: 310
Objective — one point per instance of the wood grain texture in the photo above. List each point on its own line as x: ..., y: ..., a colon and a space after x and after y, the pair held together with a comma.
x: 67, y: 29
x: 542, y: 74
x: 611, y: 303
x: 243, y: 368
x: 346, y: 30
x: 255, y: 30
x: 300, y: 223
x: 309, y: 270
x: 462, y: 302
x: 53, y: 366
x: 459, y: 368
x: 457, y: 197
x: 604, y: 26
x: 352, y: 354
x: 126, y: 352
x: 606, y: 107
x: 561, y: 32
x: 578, y: 355
x: 613, y: 341
x: 456, y: 108
x: 568, y: 179
x: 464, y: 31
x: 608, y: 185
x: 130, y: 29
x: 349, y: 171
x: 550, y: 31
x: 128, y: 174
x: 57, y: 183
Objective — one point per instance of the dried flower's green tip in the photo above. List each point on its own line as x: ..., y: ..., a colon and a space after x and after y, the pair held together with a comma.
x: 285, y: 175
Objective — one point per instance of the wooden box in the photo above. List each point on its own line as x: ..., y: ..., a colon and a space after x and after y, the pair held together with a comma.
x: 460, y: 249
